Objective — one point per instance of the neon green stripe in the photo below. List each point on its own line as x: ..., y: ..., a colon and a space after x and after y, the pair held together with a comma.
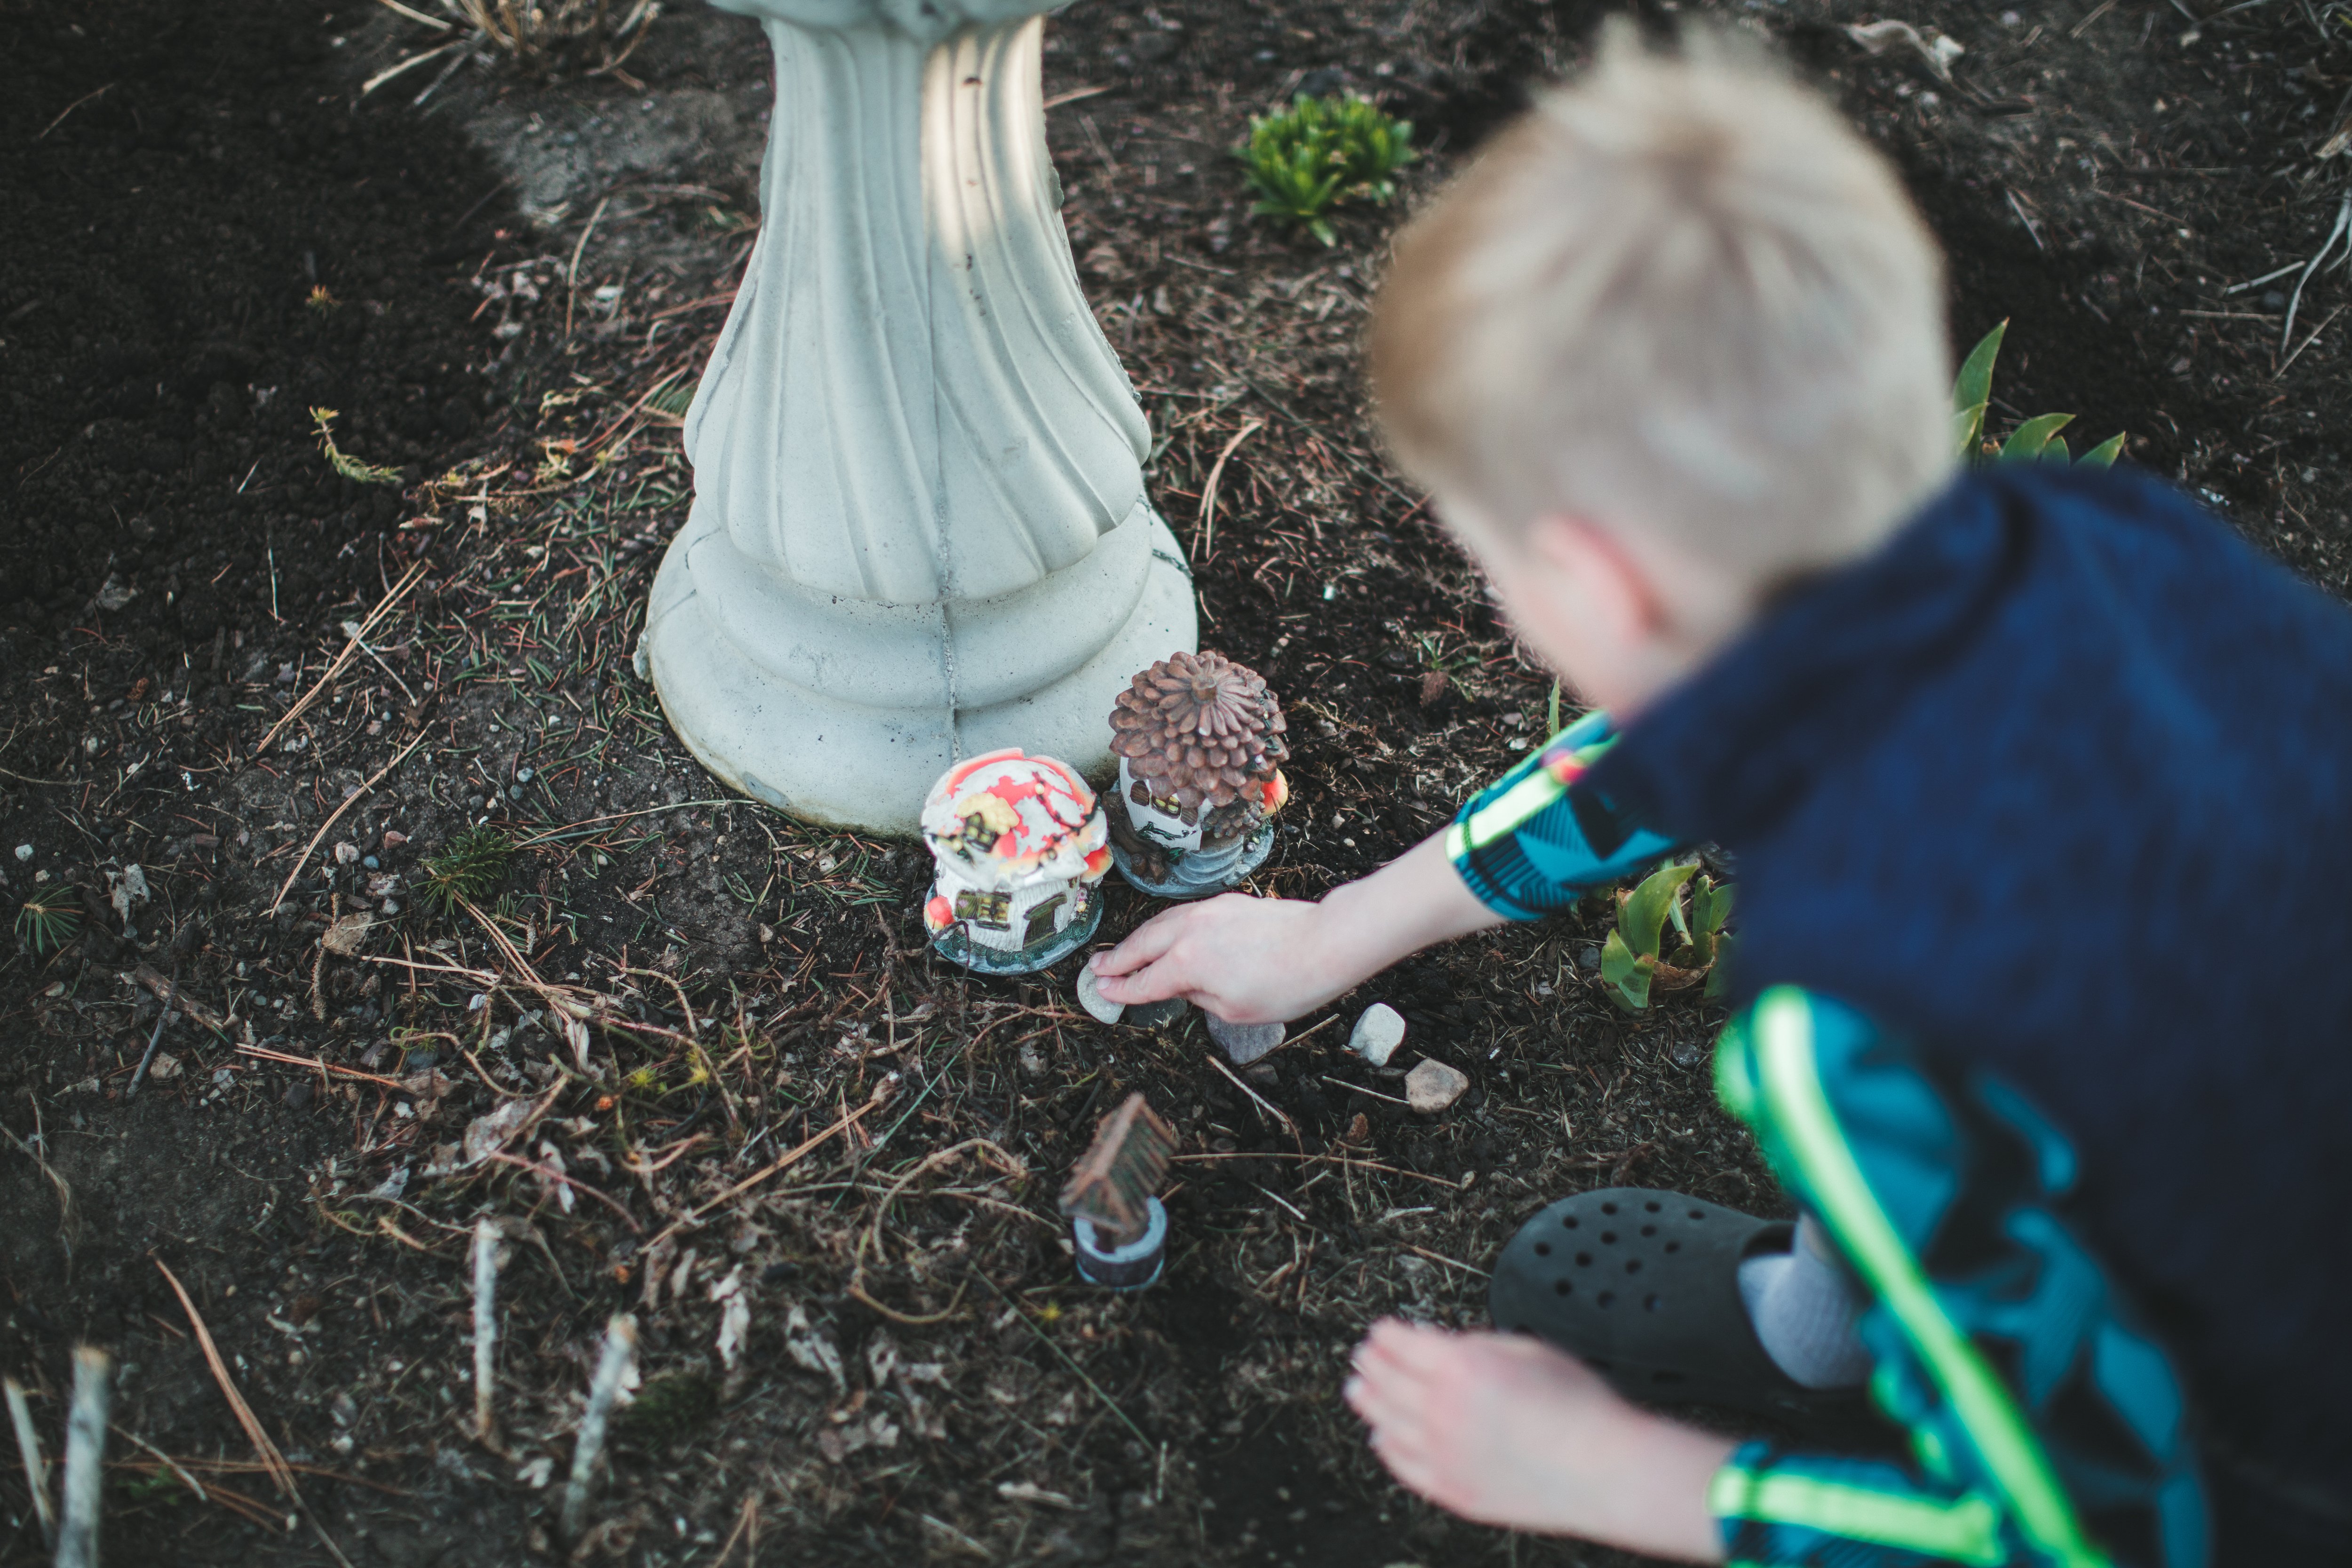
x: 1784, y: 1035
x: 1966, y: 1531
x: 1512, y: 809
x: 1457, y: 843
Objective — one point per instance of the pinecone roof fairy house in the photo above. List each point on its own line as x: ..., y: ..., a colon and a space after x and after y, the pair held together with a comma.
x: 1199, y: 745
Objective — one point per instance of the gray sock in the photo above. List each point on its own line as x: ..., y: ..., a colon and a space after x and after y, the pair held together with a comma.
x: 1804, y: 1305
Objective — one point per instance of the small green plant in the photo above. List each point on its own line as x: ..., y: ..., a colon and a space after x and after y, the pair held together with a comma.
x: 48, y: 920
x: 1633, y: 962
x: 342, y: 462
x: 1319, y: 152
x: 467, y: 868
x: 2036, y: 440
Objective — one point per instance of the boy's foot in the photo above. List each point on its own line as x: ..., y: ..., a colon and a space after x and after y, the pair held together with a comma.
x: 1506, y: 1430
x: 1645, y: 1286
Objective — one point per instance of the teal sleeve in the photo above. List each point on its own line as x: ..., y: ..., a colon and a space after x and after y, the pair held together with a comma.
x: 1539, y: 837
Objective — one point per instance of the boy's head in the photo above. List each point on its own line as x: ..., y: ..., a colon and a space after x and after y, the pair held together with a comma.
x: 1679, y: 324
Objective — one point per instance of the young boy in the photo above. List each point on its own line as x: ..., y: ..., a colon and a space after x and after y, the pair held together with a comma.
x: 2037, y: 779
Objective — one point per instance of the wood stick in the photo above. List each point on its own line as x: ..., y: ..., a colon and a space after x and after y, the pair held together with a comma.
x: 383, y: 606
x: 324, y: 827
x: 485, y: 1321
x: 266, y: 1451
x: 612, y: 1368
x: 37, y: 1469
x: 84, y: 1483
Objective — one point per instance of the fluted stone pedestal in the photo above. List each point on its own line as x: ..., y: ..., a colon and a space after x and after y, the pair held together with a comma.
x: 919, y: 530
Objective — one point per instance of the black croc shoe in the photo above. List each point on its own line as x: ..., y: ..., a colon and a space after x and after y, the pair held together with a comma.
x: 1644, y: 1285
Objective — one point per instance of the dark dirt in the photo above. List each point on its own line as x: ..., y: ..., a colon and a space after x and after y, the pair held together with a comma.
x: 177, y: 563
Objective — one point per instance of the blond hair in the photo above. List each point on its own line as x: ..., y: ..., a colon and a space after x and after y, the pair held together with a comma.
x: 1680, y: 294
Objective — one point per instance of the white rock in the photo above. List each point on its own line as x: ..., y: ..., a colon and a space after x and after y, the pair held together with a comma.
x: 1091, y: 998
x: 1433, y: 1085
x: 1378, y: 1033
x: 1244, y: 1043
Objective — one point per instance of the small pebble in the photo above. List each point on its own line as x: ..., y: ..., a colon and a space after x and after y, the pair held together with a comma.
x: 1244, y: 1043
x: 370, y: 862
x: 300, y: 1094
x: 1091, y: 998
x: 1378, y: 1033
x: 23, y: 852
x: 1433, y: 1085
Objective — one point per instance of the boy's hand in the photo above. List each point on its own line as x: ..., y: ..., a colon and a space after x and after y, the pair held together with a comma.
x: 1250, y: 961
x: 1266, y: 960
x: 1506, y: 1430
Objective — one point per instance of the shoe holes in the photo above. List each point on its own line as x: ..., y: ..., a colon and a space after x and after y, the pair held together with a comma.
x: 1584, y: 1260
x: 1608, y: 1238
x: 1608, y: 1297
x: 1561, y: 1286
x: 1543, y: 1250
x: 1650, y: 1303
x: 1699, y: 1214
x: 1568, y: 1222
x: 1673, y: 1247
x: 1649, y: 1230
x: 1633, y: 1266
x: 1608, y: 1208
x: 1652, y: 1206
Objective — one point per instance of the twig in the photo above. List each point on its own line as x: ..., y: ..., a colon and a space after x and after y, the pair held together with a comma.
x: 2031, y: 229
x: 299, y: 861
x: 485, y: 1321
x: 351, y: 646
x: 572, y: 273
x: 612, y: 1367
x: 411, y: 63
x: 263, y: 1053
x: 2343, y: 221
x: 69, y: 108
x: 271, y: 1459
x: 170, y: 1464
x: 1108, y: 1402
x: 1441, y: 1258
x: 164, y: 987
x: 784, y: 1161
x: 1204, y: 538
x: 2309, y: 340
x: 434, y: 22
x: 84, y: 1467
x: 37, y: 1469
x: 1287, y: 1125
x: 155, y: 1039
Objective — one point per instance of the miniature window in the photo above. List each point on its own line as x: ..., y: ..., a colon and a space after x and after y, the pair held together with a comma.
x: 993, y: 910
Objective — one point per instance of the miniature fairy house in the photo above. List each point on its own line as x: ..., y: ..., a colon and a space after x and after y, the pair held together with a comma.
x: 1019, y: 843
x: 1199, y: 748
x: 1119, y: 1226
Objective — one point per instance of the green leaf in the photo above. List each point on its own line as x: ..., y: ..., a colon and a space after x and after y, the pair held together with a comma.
x: 1718, y: 979
x: 2027, y: 440
x: 1551, y: 716
x: 1642, y: 916
x: 1626, y: 973
x: 2056, y: 452
x: 1973, y: 387
x: 1966, y: 424
x: 2102, y: 455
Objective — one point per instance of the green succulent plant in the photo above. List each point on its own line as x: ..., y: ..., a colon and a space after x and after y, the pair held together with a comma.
x: 1634, y: 960
x: 2035, y: 440
x: 1320, y: 151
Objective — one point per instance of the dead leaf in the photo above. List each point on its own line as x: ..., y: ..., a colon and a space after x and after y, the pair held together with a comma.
x: 343, y: 938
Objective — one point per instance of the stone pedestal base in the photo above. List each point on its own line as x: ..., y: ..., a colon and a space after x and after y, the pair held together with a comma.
x: 756, y: 674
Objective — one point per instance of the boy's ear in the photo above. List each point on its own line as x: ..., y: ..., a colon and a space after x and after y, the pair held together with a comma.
x: 1609, y: 583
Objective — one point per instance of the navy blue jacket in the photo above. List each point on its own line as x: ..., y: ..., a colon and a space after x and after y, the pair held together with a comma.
x: 2059, y: 782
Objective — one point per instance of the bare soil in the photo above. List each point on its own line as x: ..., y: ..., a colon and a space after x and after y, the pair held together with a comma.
x: 211, y: 232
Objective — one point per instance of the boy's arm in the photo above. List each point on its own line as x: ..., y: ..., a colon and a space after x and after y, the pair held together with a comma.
x: 1261, y: 960
x: 1531, y: 843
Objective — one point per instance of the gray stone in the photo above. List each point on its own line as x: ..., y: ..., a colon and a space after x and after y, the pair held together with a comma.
x: 1433, y: 1085
x: 1091, y: 998
x: 1378, y: 1033
x: 1244, y: 1043
x: 1159, y: 1015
